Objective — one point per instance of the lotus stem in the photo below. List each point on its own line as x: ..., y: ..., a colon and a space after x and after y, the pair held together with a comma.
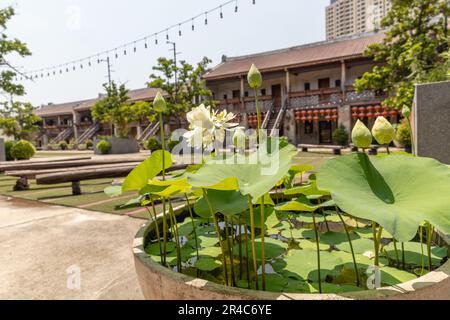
x: 163, y: 145
x: 403, y: 256
x: 351, y: 247
x: 216, y: 225
x: 252, y: 234
x: 396, y: 253
x: 324, y: 217
x: 164, y: 232
x: 241, y: 266
x: 375, y: 242
x: 387, y: 150
x: 422, y: 260
x: 318, y: 251
x: 263, y: 249
x: 176, y: 234
x: 230, y: 252
x: 156, y: 226
x: 429, y: 231
x: 411, y: 134
x: 247, y: 260
x: 258, y: 114
x: 193, y: 224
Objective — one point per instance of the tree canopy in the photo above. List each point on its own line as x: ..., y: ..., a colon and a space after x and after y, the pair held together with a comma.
x: 9, y: 46
x: 116, y: 109
x: 189, y: 88
x: 414, y: 50
x: 18, y: 120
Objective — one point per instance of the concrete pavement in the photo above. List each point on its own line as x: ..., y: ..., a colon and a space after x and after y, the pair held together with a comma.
x: 47, y: 252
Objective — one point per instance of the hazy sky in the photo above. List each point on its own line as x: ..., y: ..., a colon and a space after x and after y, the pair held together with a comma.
x: 58, y: 31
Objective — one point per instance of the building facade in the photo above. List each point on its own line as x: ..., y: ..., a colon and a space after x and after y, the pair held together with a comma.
x: 350, y: 17
x: 73, y: 121
x: 307, y: 90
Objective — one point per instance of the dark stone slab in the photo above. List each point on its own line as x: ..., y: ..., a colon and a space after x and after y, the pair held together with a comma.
x: 2, y: 150
x: 120, y: 146
x: 431, y: 121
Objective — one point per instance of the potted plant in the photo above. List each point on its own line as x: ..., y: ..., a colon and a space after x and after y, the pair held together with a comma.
x: 359, y: 224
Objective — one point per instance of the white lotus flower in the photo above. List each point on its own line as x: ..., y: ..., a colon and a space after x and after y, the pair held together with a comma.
x: 207, y: 127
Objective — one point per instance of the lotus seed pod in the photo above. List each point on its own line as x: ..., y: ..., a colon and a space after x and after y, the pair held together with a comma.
x: 383, y: 131
x: 254, y: 77
x: 361, y: 136
x: 406, y: 111
x: 239, y: 138
x: 159, y: 104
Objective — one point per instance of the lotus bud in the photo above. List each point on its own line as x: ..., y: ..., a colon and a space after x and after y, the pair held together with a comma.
x: 239, y: 138
x: 254, y: 77
x: 406, y: 111
x: 383, y: 131
x: 159, y: 104
x: 361, y: 136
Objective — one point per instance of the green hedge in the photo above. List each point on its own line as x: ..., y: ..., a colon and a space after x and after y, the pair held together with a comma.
x: 104, y: 146
x: 23, y: 150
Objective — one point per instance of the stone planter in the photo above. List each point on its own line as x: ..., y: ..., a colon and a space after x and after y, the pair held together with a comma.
x: 119, y: 145
x: 160, y: 283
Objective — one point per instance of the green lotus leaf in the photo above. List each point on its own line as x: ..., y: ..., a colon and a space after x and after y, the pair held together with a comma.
x: 207, y: 264
x: 332, y: 288
x: 273, y: 248
x: 153, y: 249
x: 146, y: 170
x: 302, y: 264
x: 274, y: 283
x: 398, y: 192
x: 210, y: 252
x: 205, y: 241
x: 311, y: 244
x: 292, y: 233
x: 392, y: 276
x: 336, y: 238
x: 359, y: 245
x: 269, y: 213
x: 308, y: 190
x: 413, y: 253
x: 252, y: 174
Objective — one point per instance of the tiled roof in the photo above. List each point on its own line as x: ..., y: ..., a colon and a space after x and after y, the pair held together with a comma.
x: 311, y: 54
x: 145, y: 94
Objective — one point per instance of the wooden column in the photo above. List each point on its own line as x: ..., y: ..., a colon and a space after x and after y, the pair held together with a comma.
x: 343, y: 77
x: 242, y: 94
x: 75, y: 125
x: 288, y: 81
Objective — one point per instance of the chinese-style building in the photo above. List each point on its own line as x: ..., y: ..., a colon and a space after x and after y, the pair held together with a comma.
x: 307, y: 90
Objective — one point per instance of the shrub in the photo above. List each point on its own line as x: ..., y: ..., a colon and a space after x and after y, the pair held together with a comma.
x: 8, y: 147
x: 153, y: 144
x: 89, y: 143
x: 71, y: 146
x: 340, y: 136
x: 104, y: 146
x: 23, y: 150
x: 82, y: 147
x: 63, y: 145
x: 403, y: 134
x: 172, y: 144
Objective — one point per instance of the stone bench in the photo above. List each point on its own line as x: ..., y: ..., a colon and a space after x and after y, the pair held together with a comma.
x: 337, y: 150
x: 373, y: 149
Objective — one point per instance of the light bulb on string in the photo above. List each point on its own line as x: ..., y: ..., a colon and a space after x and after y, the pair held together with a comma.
x: 73, y: 68
x: 193, y: 26
x: 167, y: 34
x: 254, y: 1
x: 124, y: 52
x: 156, y: 41
x: 236, y: 7
x: 179, y: 30
x: 145, y: 43
x: 221, y: 13
x: 81, y: 66
x: 206, y: 18
x: 134, y: 49
x: 89, y: 63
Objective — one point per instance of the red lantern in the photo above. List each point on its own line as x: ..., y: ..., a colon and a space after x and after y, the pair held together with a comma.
x: 377, y: 108
x: 316, y: 112
x: 361, y: 109
x: 370, y: 115
x: 334, y: 117
x: 328, y: 118
x: 385, y: 113
x: 328, y: 111
x: 335, y: 111
x: 316, y: 118
x: 370, y: 109
x: 303, y: 113
x: 393, y: 113
x: 355, y: 115
x: 310, y: 112
x: 355, y: 109
x: 303, y: 119
x: 322, y: 112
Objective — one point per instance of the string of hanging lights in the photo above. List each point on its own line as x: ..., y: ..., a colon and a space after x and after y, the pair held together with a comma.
x: 89, y: 61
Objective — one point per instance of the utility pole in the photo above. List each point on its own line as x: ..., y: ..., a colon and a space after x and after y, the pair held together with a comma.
x: 109, y: 69
x: 175, y: 54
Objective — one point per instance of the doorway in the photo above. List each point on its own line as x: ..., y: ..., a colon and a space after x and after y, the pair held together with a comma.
x: 325, y: 134
x: 276, y: 96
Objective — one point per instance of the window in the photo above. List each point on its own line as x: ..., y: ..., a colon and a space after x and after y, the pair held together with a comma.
x: 309, y: 127
x: 337, y: 83
x: 246, y: 94
x: 225, y: 97
x: 307, y: 86
x: 236, y: 94
x: 263, y: 92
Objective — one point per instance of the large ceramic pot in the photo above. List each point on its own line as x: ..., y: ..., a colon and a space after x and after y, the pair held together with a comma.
x: 158, y: 282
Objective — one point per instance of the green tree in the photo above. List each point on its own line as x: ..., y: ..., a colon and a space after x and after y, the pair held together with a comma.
x: 18, y: 119
x: 413, y: 50
x: 8, y: 47
x: 187, y: 91
x: 116, y: 109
